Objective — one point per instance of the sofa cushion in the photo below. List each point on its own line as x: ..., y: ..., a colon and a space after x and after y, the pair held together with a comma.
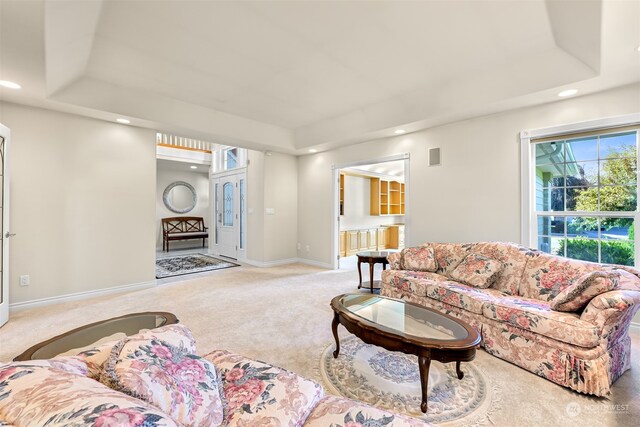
x: 537, y: 316
x: 513, y: 256
x: 462, y: 296
x: 414, y: 282
x: 181, y: 384
x: 260, y: 394
x: 449, y: 255
x: 419, y: 259
x: 34, y: 395
x: 548, y: 275
x: 477, y: 270
x: 589, y: 285
x: 339, y: 411
x: 176, y: 334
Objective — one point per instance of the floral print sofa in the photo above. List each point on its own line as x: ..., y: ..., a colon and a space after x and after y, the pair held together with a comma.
x: 513, y: 296
x: 155, y: 379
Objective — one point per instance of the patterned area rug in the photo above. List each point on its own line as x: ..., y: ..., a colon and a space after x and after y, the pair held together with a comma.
x: 187, y: 264
x: 391, y: 380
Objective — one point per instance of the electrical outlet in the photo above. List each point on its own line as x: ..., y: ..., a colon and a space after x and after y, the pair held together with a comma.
x: 25, y: 280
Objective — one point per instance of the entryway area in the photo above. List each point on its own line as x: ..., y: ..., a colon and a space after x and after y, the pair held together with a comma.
x: 199, y: 214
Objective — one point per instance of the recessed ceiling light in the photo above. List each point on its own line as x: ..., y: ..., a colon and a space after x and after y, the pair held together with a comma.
x: 194, y: 167
x: 379, y: 170
x: 638, y: 48
x: 123, y: 121
x: 313, y: 150
x: 399, y: 131
x: 10, y: 85
x: 568, y: 92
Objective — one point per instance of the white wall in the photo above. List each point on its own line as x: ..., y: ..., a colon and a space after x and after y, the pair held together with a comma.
x: 82, y: 203
x: 272, y: 182
x: 200, y: 181
x: 357, y: 206
x: 474, y: 195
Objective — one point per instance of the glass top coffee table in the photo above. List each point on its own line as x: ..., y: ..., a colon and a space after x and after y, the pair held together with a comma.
x: 397, y: 325
x: 83, y: 336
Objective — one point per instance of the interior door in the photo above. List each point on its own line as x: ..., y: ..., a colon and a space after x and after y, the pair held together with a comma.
x: 4, y: 214
x: 227, y: 216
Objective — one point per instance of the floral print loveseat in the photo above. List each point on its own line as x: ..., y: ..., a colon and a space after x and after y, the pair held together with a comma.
x: 155, y: 379
x: 563, y: 319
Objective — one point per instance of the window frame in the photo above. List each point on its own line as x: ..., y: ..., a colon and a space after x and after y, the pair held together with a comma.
x: 529, y: 213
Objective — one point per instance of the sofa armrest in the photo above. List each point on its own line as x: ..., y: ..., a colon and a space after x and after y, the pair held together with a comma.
x: 611, y: 308
x: 395, y: 260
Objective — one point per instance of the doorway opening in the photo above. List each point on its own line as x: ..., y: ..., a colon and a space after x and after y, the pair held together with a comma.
x: 183, y: 208
x: 372, y: 213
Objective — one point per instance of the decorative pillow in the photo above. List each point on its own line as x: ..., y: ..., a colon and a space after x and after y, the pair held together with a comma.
x: 584, y: 289
x: 419, y: 259
x: 177, y: 335
x: 34, y: 395
x: 477, y: 271
x: 170, y: 377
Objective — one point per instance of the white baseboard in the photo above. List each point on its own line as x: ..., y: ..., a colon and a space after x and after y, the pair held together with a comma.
x: 286, y: 261
x: 17, y: 306
x: 274, y: 263
x: 315, y: 263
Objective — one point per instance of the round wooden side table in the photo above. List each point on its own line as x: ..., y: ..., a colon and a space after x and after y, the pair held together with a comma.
x: 372, y: 258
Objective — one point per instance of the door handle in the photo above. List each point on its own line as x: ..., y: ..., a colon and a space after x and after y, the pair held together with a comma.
x: 7, y: 234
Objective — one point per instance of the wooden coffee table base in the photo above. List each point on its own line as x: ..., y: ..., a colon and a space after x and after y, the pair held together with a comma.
x: 425, y: 355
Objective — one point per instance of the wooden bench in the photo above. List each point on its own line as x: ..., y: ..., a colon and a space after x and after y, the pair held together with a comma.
x: 183, y: 228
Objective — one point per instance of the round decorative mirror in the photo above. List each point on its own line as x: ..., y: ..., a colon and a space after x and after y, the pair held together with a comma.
x: 180, y: 197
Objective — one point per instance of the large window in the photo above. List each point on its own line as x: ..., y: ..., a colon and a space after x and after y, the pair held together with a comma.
x: 586, y: 195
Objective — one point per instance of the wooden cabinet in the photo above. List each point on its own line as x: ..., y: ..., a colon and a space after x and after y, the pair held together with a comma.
x: 387, y: 197
x: 371, y: 239
x: 396, y: 237
x: 353, y: 242
x: 382, y: 238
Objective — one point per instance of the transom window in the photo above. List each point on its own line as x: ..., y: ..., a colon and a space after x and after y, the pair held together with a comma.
x: 586, y: 195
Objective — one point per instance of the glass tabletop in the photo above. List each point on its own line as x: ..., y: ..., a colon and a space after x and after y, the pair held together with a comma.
x: 129, y: 325
x: 374, y: 254
x: 403, y: 318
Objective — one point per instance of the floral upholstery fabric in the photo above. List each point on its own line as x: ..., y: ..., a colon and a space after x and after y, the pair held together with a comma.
x: 181, y: 384
x: 548, y: 275
x: 607, y: 307
x: 627, y: 280
x: 589, y: 370
x: 395, y: 260
x: 263, y: 395
x: 449, y: 255
x: 419, y: 259
x: 578, y: 295
x: 477, y: 270
x: 513, y: 256
x: 537, y: 316
x: 176, y: 335
x: 462, y: 296
x: 414, y: 282
x: 39, y: 395
x: 337, y: 411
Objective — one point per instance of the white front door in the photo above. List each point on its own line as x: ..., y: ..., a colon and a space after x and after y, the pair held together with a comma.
x: 4, y: 236
x: 227, y: 224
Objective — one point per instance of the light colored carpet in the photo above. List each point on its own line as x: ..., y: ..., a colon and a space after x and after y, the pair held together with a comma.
x: 281, y: 315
